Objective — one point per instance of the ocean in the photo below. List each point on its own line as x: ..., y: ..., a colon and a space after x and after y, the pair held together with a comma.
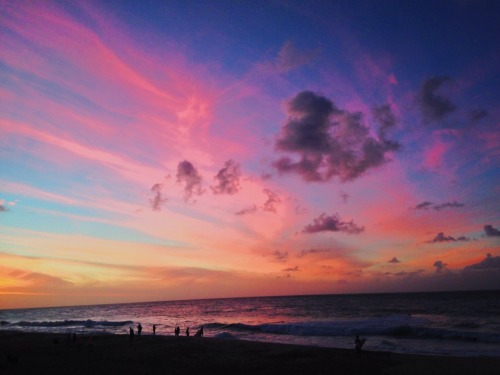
x: 446, y: 323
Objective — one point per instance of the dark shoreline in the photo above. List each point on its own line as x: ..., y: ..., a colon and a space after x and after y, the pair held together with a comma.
x: 45, y: 353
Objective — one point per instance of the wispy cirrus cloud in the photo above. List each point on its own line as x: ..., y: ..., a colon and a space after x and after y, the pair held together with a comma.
x: 290, y: 57
x: 438, y: 206
x: 249, y: 210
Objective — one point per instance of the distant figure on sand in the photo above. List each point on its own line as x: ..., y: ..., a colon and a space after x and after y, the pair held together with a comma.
x: 359, y: 343
x: 187, y: 331
x: 139, y: 329
x: 131, y: 333
x: 199, y: 333
x: 154, y: 329
x: 177, y: 331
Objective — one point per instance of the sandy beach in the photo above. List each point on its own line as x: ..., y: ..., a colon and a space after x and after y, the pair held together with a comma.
x: 30, y: 353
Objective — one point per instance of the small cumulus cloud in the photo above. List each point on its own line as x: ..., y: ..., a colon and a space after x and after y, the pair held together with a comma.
x: 158, y: 200
x: 227, y: 179
x: 328, y: 141
x: 394, y: 260
x: 438, y: 206
x: 332, y: 223
x: 272, y: 201
x: 441, y: 237
x: 306, y: 252
x: 344, y: 196
x: 188, y: 175
x: 280, y: 256
x: 440, y: 266
x: 249, y: 210
x: 433, y: 105
x: 291, y: 269
x: 491, y: 231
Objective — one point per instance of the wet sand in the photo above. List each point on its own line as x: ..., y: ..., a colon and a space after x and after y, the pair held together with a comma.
x: 30, y: 353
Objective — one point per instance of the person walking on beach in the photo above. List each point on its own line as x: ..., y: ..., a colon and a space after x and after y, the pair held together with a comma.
x: 187, y: 331
x: 154, y: 329
x: 139, y: 329
x: 177, y: 331
x: 131, y: 334
x: 359, y: 343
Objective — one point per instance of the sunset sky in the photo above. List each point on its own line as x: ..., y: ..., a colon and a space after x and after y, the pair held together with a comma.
x: 159, y: 150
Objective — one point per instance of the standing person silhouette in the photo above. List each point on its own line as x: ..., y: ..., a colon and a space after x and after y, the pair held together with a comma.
x: 154, y: 329
x: 139, y: 329
x: 187, y: 331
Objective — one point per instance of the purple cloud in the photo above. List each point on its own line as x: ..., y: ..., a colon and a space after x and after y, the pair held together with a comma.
x: 434, y: 106
x: 158, y: 200
x: 280, y: 256
x: 188, y: 174
x: 491, y: 231
x: 246, y: 211
x: 305, y: 252
x: 272, y: 200
x: 427, y: 205
x: 331, y: 142
x: 453, y: 204
x: 227, y: 179
x: 440, y: 237
x: 423, y: 206
x: 332, y: 223
x: 440, y: 266
x: 488, y: 263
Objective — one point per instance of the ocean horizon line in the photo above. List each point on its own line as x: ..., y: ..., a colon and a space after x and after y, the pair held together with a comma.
x: 263, y: 296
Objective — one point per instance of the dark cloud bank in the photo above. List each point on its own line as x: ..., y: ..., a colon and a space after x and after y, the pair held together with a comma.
x: 327, y: 141
x: 479, y: 276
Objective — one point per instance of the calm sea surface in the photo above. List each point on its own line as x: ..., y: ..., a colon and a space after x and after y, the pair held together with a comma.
x: 451, y: 323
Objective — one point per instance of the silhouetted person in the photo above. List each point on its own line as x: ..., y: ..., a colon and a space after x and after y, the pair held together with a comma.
x: 154, y: 329
x: 131, y: 334
x: 177, y: 331
x: 139, y: 329
x: 359, y: 343
x: 187, y: 331
x: 199, y: 333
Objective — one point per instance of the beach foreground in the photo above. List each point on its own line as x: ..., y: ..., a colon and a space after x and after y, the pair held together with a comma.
x: 29, y: 353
